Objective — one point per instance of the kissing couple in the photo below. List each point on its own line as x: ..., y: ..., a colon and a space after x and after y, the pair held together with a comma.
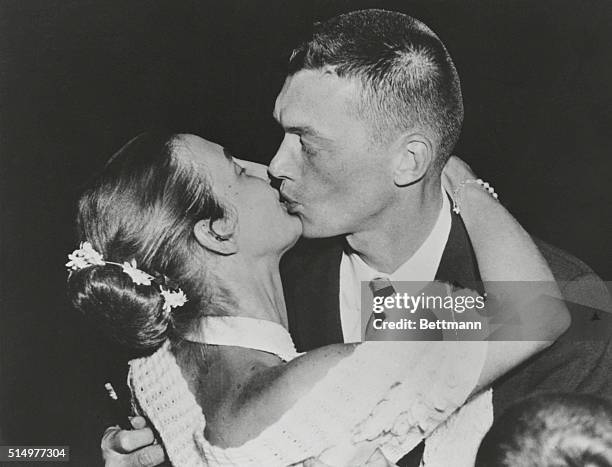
x: 250, y: 345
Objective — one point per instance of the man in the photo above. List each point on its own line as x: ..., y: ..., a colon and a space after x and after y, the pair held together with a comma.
x: 371, y: 110
x: 580, y: 424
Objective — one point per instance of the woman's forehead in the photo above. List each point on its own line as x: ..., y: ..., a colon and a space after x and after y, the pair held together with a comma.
x: 200, y: 150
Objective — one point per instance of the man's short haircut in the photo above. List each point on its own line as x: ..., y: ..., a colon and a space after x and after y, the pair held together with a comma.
x: 551, y: 430
x: 407, y: 75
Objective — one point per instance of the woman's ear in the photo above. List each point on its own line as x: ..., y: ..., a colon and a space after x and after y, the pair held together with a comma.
x: 217, y: 236
x: 414, y: 157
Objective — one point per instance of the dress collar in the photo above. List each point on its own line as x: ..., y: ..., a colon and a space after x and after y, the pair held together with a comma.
x: 249, y: 333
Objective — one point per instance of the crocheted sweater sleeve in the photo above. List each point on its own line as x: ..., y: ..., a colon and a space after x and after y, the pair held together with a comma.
x: 387, y: 395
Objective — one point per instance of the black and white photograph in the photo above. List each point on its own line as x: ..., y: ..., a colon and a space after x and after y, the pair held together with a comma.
x: 306, y: 233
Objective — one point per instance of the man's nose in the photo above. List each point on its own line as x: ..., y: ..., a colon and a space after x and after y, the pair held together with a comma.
x: 275, y: 181
x: 281, y: 166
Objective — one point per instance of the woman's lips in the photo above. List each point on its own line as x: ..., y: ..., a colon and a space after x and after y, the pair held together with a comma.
x: 288, y: 202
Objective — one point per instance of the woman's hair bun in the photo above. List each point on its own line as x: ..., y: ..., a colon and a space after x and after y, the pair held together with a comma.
x: 129, y: 314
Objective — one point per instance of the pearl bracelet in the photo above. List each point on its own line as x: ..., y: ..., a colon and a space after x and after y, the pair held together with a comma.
x: 480, y: 182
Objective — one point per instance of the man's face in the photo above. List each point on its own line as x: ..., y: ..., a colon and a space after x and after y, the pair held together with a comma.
x: 333, y: 176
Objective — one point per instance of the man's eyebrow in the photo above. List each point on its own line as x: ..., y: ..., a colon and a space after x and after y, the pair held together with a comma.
x: 302, y: 130
x: 307, y: 131
x: 296, y: 129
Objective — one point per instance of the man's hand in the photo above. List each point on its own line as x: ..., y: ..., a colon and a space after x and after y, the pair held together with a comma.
x: 131, y: 448
x: 134, y: 448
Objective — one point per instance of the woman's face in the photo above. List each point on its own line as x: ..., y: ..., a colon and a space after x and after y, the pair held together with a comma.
x: 263, y: 224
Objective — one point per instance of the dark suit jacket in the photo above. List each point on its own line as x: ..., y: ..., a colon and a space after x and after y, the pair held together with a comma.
x: 311, y: 273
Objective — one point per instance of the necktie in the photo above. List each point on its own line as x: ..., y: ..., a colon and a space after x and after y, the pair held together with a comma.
x: 381, y: 287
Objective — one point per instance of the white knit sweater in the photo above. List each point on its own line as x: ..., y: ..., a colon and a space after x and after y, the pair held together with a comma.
x: 387, y: 395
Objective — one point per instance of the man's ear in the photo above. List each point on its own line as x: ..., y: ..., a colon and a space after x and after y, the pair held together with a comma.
x: 414, y: 157
x: 217, y: 236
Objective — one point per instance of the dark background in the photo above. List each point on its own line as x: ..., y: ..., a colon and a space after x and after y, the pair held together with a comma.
x: 78, y: 79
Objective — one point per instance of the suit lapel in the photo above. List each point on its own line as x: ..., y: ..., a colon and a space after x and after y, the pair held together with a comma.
x: 458, y: 263
x: 458, y: 267
x: 311, y: 279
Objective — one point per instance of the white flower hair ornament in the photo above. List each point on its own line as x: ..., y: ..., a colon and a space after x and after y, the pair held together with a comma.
x: 138, y: 277
x: 86, y: 256
x: 172, y: 298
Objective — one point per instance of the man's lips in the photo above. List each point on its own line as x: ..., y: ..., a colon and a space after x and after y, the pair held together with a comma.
x: 289, y: 203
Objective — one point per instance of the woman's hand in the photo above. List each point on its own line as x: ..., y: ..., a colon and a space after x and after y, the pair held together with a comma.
x: 455, y: 172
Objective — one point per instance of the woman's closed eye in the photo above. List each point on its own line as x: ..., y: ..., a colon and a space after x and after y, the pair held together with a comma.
x: 240, y: 170
x: 252, y: 169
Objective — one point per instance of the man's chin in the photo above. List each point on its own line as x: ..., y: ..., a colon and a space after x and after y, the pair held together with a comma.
x: 317, y: 230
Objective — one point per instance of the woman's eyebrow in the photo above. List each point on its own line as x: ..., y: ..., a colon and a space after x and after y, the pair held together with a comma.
x: 232, y: 160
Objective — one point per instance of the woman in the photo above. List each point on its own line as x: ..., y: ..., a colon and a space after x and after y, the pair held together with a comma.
x: 175, y: 218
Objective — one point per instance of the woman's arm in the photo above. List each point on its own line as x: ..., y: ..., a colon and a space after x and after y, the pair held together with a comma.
x: 513, y: 271
x: 504, y: 251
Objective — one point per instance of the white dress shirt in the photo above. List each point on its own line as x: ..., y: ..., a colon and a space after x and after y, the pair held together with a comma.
x: 456, y: 441
x: 421, y: 266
